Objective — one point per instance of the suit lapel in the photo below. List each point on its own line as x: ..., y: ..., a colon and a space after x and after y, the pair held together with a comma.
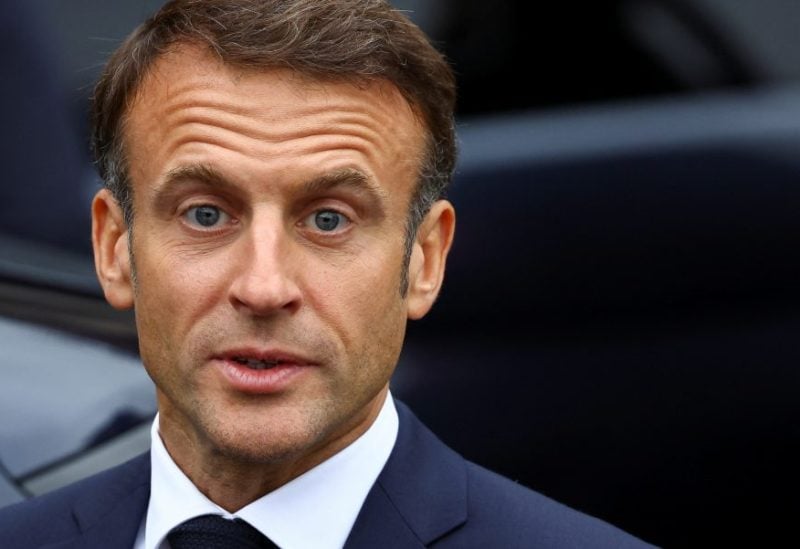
x: 380, y: 524
x: 420, y: 495
x: 110, y: 516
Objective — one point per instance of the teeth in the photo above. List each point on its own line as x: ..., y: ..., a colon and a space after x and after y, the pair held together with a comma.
x: 256, y: 364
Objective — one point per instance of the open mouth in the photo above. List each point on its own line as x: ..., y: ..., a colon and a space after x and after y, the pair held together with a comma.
x: 256, y: 364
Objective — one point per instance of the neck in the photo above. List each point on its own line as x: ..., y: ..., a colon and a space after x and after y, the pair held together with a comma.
x: 232, y: 478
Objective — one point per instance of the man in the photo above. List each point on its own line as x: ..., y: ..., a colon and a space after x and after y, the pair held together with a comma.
x: 272, y: 211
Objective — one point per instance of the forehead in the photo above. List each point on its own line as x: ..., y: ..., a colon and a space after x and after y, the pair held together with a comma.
x: 189, y: 97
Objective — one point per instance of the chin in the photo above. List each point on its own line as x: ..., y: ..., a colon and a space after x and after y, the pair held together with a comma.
x: 275, y: 440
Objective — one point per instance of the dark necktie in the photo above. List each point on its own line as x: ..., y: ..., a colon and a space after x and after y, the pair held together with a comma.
x: 215, y: 532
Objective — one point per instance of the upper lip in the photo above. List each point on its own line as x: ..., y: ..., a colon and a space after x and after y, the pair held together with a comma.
x: 278, y: 356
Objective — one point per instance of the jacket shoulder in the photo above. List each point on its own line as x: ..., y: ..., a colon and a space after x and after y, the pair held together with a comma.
x: 468, y: 506
x: 60, y: 514
x: 522, y: 517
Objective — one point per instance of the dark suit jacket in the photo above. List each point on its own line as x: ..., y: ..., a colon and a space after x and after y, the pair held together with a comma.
x: 427, y: 495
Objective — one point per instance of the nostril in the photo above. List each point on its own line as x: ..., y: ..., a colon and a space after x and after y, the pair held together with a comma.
x: 263, y: 293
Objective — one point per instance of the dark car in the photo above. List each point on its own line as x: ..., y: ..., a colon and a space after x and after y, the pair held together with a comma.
x: 74, y: 397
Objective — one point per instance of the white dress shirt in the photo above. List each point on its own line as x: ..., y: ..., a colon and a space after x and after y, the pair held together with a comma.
x: 316, y: 510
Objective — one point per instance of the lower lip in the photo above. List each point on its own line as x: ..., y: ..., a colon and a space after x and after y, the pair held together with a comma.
x: 266, y: 381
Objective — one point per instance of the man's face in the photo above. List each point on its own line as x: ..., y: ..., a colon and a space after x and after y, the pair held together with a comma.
x: 268, y: 238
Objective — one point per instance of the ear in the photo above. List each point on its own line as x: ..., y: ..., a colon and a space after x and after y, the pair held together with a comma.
x: 111, y: 257
x: 428, y: 258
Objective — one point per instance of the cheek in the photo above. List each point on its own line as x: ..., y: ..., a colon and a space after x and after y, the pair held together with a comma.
x: 370, y: 301
x: 173, y: 291
x: 170, y: 274
x: 366, y: 281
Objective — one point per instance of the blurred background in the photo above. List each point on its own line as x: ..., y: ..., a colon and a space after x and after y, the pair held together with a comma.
x: 618, y: 327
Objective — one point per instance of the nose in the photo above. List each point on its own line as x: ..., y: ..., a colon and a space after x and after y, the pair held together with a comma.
x: 263, y: 283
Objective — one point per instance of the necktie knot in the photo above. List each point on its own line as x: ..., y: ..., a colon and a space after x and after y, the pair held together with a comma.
x: 215, y: 532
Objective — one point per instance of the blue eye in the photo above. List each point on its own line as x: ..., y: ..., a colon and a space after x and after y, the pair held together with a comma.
x: 205, y: 216
x: 327, y: 220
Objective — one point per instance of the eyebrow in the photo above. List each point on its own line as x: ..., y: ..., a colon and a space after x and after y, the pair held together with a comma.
x: 346, y: 178
x: 206, y: 174
x: 181, y: 176
x: 194, y: 173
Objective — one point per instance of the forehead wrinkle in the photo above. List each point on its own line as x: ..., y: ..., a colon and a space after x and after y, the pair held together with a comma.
x: 239, y: 91
x: 326, y: 116
x: 333, y: 137
x: 325, y: 130
x: 235, y: 100
x: 272, y: 126
x: 338, y: 124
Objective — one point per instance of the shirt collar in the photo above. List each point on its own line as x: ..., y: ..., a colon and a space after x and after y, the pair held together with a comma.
x: 315, y: 510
